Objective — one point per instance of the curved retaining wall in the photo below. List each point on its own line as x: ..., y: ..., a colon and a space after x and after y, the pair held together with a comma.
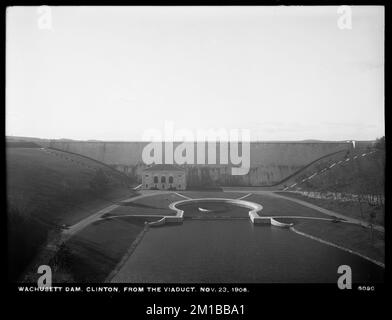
x: 179, y: 217
x: 277, y: 223
x: 253, y: 213
x: 256, y: 219
x: 158, y: 223
x: 255, y: 207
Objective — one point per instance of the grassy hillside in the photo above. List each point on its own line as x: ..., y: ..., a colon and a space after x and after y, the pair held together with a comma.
x: 353, y: 186
x: 312, y: 167
x: 48, y: 190
x: 360, y: 175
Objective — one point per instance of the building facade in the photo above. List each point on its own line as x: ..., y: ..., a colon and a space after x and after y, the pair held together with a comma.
x: 164, y: 177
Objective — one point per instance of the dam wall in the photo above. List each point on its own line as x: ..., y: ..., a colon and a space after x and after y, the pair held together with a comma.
x: 270, y: 162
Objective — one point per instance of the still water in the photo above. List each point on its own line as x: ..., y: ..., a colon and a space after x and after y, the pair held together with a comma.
x: 215, y: 209
x: 235, y: 251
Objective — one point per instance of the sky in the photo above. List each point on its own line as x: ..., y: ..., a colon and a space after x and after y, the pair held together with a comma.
x: 111, y: 73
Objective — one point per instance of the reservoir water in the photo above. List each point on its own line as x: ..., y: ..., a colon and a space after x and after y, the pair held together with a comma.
x: 235, y: 251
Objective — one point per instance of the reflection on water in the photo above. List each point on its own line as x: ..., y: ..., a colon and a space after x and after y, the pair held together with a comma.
x: 237, y: 251
x: 213, y: 209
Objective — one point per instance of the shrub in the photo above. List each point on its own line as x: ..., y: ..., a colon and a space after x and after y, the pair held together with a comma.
x: 380, y: 143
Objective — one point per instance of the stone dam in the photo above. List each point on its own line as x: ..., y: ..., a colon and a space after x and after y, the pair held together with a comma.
x: 270, y: 162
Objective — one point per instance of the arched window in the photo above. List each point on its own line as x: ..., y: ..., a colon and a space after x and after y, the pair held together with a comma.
x: 163, y: 179
x: 155, y: 179
x: 170, y: 179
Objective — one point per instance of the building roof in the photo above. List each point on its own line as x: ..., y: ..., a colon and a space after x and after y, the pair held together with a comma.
x: 164, y: 167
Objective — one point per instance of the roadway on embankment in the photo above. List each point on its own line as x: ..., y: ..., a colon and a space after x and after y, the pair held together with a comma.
x: 98, y: 215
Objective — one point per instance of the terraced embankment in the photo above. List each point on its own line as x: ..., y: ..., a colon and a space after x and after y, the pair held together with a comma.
x: 48, y: 190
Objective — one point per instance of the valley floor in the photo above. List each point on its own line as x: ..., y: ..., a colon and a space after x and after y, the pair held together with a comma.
x: 100, y: 249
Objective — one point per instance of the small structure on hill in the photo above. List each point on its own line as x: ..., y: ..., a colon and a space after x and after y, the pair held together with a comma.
x: 164, y: 177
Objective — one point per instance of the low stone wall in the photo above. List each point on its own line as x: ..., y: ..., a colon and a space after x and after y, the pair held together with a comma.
x: 158, y: 223
x: 343, y: 197
x: 277, y: 223
x: 253, y: 213
x: 256, y: 219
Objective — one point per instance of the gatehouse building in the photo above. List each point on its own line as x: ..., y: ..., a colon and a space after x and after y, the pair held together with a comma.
x: 164, y: 177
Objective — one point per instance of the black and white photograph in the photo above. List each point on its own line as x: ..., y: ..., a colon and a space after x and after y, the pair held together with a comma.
x: 194, y: 149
